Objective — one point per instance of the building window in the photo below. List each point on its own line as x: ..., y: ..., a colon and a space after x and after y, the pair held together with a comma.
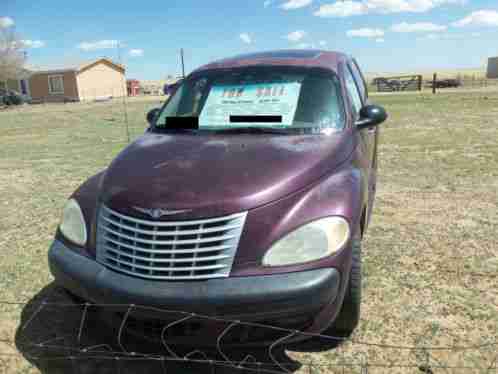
x: 56, y: 84
x: 3, y: 85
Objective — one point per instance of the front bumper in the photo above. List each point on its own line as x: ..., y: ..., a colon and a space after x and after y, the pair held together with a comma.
x: 270, y: 299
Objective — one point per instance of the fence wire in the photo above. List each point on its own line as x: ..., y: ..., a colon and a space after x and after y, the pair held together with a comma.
x: 58, y: 334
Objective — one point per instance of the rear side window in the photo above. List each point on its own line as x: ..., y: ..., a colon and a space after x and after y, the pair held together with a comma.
x: 354, y: 94
x: 360, y: 79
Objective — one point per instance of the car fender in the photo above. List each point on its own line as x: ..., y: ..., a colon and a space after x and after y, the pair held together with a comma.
x: 341, y: 193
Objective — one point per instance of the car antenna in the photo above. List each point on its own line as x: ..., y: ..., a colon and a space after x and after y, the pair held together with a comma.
x: 183, y: 63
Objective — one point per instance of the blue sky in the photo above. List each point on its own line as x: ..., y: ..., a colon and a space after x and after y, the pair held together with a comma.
x: 384, y: 35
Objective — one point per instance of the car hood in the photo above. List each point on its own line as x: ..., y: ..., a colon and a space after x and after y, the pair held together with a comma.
x: 217, y: 174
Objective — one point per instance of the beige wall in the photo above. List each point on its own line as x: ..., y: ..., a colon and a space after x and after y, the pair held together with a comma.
x: 99, y: 81
x: 38, y: 84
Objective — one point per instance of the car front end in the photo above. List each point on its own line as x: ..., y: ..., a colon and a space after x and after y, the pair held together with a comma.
x: 220, y: 232
x: 218, y: 267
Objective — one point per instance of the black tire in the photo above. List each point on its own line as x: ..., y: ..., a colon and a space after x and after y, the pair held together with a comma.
x: 75, y: 298
x: 349, y: 315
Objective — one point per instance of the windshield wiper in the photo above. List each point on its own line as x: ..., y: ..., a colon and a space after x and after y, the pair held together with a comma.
x: 163, y: 128
x: 253, y: 130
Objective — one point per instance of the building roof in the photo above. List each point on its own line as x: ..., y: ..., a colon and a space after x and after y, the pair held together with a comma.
x: 291, y: 57
x: 76, y: 67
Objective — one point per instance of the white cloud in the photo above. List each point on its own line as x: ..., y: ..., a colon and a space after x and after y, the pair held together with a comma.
x: 322, y: 43
x: 267, y: 3
x: 27, y: 43
x: 136, y: 52
x: 246, y: 38
x: 295, y: 4
x: 379, y: 40
x: 366, y: 33
x: 341, y: 9
x: 306, y: 45
x: 6, y: 22
x: 449, y: 36
x: 296, y: 36
x: 417, y: 27
x: 100, y: 44
x: 479, y: 18
x: 349, y: 8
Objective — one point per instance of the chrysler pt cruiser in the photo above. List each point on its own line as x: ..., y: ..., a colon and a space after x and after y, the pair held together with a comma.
x: 247, y: 198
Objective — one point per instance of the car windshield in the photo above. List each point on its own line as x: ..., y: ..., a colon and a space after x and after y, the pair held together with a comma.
x: 272, y: 99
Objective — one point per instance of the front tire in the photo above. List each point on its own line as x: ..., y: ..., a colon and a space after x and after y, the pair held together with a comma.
x: 349, y: 316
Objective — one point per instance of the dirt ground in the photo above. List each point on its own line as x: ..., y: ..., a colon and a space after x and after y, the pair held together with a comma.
x: 430, y: 256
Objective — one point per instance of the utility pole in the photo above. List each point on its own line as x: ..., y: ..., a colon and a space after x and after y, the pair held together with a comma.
x: 124, y: 92
x: 183, y: 63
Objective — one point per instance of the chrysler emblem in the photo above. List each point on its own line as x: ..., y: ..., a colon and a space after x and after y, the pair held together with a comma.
x: 159, y: 212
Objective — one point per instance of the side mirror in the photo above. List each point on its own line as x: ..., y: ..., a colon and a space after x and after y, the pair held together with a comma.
x: 371, y: 115
x: 152, y: 114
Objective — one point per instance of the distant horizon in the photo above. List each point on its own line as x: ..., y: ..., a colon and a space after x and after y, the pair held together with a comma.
x: 383, y: 35
x: 163, y: 76
x: 449, y: 70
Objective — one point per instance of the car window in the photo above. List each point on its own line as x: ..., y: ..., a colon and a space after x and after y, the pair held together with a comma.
x: 353, y: 91
x: 360, y: 80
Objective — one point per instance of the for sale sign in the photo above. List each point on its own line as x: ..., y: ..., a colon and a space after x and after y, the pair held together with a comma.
x: 272, y: 99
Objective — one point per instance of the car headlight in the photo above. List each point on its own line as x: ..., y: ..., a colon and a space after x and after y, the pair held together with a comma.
x: 73, y: 223
x: 310, y: 242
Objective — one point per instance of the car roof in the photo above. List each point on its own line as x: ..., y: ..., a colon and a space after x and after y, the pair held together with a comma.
x: 289, y: 57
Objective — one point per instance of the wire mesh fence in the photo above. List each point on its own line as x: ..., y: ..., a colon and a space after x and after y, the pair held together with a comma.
x: 57, y: 334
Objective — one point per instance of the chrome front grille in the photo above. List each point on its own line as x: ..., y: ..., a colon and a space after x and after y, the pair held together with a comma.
x: 168, y: 250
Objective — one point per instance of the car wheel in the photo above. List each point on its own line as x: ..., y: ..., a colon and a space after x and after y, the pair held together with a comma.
x: 349, y: 316
x: 75, y: 298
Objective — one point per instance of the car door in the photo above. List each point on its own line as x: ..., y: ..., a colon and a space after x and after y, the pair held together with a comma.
x: 359, y: 97
x: 370, y: 134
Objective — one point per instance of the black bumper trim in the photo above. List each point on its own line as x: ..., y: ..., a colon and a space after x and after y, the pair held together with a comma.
x: 234, y: 297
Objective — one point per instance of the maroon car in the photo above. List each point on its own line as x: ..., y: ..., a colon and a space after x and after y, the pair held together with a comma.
x: 247, y: 198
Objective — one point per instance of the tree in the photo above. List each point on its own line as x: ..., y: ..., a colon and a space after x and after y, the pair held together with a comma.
x: 12, y: 56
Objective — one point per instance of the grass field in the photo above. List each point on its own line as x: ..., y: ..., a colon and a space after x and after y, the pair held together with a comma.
x: 430, y: 256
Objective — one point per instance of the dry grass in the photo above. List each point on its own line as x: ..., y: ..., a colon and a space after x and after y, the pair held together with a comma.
x: 430, y: 255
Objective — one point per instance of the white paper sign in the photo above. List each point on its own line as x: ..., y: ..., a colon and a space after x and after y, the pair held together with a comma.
x: 277, y: 99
